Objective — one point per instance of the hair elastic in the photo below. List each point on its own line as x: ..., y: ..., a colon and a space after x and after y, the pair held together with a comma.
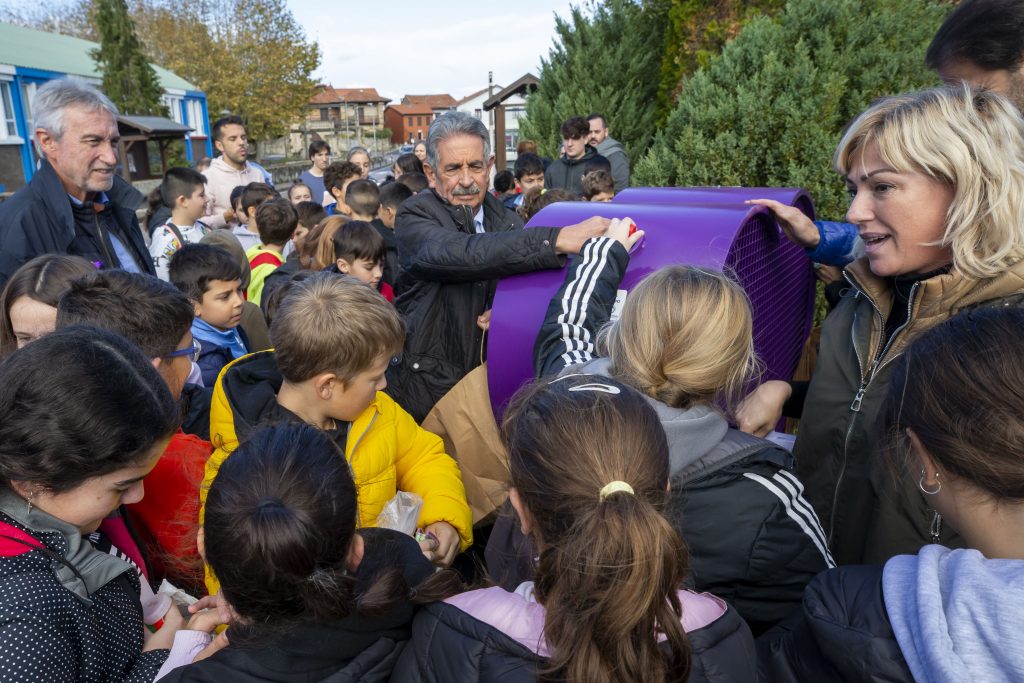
x: 614, y: 487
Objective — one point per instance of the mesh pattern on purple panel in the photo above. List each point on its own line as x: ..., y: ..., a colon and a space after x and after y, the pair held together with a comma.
x: 779, y: 282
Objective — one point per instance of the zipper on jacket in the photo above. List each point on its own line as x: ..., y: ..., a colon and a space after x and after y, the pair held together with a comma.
x: 360, y: 439
x: 103, y: 243
x: 866, y: 380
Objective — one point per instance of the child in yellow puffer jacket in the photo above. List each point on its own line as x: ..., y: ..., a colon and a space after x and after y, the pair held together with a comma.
x: 334, y: 338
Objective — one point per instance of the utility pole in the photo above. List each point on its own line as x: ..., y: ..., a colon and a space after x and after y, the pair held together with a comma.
x: 490, y: 119
x: 348, y: 140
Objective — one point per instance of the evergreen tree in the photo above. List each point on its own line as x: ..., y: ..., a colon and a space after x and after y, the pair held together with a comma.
x: 606, y: 59
x: 128, y: 78
x: 770, y: 109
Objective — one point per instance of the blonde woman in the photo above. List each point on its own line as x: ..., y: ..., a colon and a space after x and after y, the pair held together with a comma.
x: 684, y: 341
x: 936, y: 180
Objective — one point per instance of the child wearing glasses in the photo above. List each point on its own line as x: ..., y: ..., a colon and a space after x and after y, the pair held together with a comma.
x: 212, y: 281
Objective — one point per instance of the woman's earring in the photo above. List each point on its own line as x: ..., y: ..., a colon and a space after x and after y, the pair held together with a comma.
x: 929, y: 492
x: 28, y: 509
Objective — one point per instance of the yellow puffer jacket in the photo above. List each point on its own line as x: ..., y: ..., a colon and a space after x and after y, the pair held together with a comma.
x: 386, y: 449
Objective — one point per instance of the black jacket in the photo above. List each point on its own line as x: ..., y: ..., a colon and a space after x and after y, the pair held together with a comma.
x: 449, y: 645
x: 567, y: 174
x: 843, y: 634
x: 449, y: 276
x: 753, y: 538
x: 357, y: 648
x: 38, y: 220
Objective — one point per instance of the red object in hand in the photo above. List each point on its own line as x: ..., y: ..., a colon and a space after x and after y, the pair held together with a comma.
x: 632, y: 229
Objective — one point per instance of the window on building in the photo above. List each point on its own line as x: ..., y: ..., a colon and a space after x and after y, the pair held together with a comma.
x: 28, y: 91
x: 511, y: 140
x: 479, y: 113
x: 10, y: 127
x: 325, y: 114
x: 173, y: 104
x: 419, y: 135
x: 196, y: 120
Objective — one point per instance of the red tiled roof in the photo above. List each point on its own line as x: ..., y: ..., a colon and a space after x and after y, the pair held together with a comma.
x: 411, y: 109
x: 442, y: 101
x: 327, y: 94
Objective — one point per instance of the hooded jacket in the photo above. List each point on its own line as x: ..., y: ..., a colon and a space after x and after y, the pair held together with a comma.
x: 221, y: 178
x: 941, y: 616
x: 67, y: 610
x: 385, y: 448
x: 753, y: 538
x: 567, y: 174
x: 494, y: 636
x: 448, y: 279
x: 612, y: 150
x: 38, y: 220
x: 866, y: 515
x: 358, y: 648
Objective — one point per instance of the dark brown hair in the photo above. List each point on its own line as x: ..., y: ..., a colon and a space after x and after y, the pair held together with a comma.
x: 276, y: 219
x: 609, y: 570
x: 255, y: 194
x: 959, y: 388
x: 44, y: 279
x: 359, y: 240
x: 363, y: 197
x: 596, y: 182
x: 338, y: 172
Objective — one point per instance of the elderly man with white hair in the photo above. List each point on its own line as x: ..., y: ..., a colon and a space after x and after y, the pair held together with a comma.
x: 75, y: 203
x: 455, y: 241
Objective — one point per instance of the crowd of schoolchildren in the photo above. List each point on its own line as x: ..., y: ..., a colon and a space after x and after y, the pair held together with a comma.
x: 202, y: 471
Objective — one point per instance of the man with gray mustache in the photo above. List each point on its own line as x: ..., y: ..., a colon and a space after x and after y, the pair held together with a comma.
x: 75, y: 203
x: 455, y: 240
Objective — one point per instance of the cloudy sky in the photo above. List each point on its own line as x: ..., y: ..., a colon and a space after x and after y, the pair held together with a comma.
x: 401, y: 46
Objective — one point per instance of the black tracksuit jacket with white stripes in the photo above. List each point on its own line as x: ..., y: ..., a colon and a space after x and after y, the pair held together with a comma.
x: 753, y: 538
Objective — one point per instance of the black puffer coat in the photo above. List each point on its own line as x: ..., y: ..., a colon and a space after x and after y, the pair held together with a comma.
x: 843, y: 634
x: 449, y: 275
x: 450, y: 645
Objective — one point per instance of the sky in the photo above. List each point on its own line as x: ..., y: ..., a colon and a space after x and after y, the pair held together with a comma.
x: 403, y: 47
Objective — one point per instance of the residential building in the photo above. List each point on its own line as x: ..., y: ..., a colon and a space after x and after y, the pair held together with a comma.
x: 29, y: 58
x: 346, y: 116
x: 408, y: 122
x: 438, y: 104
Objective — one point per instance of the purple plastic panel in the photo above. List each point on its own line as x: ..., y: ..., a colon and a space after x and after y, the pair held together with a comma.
x: 714, y: 230
x: 715, y: 195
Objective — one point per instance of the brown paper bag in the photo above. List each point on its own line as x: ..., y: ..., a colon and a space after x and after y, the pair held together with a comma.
x: 465, y: 421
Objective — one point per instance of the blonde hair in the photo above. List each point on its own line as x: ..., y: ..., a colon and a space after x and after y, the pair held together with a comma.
x: 685, y: 337
x: 332, y: 323
x: 324, y: 255
x: 973, y: 141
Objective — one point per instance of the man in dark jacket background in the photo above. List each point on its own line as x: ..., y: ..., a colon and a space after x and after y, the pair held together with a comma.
x: 75, y: 203
x: 454, y: 242
x: 610, y: 148
x: 567, y: 171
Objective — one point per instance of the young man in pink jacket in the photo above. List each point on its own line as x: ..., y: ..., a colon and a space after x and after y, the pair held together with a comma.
x: 227, y: 171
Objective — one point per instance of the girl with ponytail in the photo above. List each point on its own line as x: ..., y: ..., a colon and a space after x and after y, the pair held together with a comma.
x: 589, y: 472
x: 306, y: 596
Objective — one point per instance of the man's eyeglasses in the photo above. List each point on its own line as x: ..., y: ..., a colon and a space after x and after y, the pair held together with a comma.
x: 192, y: 352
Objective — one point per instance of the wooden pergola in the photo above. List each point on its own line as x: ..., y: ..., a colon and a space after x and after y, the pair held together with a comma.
x: 142, y: 129
x: 524, y: 86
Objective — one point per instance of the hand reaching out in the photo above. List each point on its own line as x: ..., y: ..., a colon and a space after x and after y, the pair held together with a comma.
x: 794, y: 222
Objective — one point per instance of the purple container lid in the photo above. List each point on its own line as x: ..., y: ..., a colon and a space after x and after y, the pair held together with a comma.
x: 709, y: 227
